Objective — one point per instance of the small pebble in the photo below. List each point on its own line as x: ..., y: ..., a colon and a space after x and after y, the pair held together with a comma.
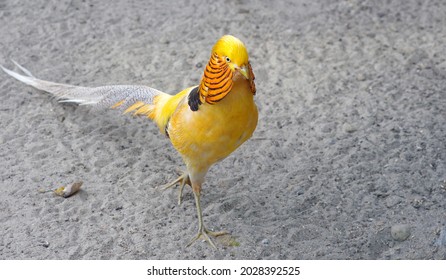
x: 400, y: 232
x: 265, y: 241
x: 360, y: 77
x: 392, y: 201
x: 417, y: 202
x: 443, y: 185
x: 395, y: 129
x: 349, y: 128
x: 45, y: 244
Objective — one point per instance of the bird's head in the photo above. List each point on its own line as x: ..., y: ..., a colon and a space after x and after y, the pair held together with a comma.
x: 234, y: 53
x: 229, y: 63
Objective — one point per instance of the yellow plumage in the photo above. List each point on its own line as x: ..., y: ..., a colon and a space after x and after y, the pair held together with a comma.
x: 214, y: 131
x: 205, y: 123
x: 211, y: 133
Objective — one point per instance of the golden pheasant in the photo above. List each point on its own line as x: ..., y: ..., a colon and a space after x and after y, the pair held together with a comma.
x: 205, y: 123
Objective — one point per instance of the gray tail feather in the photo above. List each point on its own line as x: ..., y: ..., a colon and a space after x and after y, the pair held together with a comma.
x: 100, y: 97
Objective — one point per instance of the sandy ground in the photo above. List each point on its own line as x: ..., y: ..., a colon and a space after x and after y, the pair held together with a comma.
x: 349, y: 149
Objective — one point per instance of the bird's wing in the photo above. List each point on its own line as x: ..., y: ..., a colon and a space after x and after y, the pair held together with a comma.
x: 125, y: 97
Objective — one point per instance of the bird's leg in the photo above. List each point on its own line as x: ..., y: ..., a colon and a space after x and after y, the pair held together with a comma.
x: 202, y: 230
x: 183, y: 180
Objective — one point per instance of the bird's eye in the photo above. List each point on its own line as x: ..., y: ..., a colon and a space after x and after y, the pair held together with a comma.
x: 228, y: 59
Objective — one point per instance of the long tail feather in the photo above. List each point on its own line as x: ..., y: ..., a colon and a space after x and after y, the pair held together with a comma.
x: 115, y: 96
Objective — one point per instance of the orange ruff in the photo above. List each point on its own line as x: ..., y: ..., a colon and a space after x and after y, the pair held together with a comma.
x: 217, y: 80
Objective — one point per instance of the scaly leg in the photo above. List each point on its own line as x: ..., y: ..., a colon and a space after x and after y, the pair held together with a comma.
x: 183, y: 180
x: 202, y: 231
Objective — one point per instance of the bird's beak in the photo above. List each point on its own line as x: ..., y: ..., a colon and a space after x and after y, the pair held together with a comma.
x: 244, y: 71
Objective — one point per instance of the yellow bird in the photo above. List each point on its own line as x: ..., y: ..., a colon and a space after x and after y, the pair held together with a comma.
x: 205, y: 123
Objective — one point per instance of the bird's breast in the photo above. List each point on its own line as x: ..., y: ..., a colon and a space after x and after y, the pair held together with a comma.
x: 211, y: 133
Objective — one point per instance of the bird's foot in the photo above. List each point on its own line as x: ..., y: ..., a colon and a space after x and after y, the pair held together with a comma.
x: 204, y: 233
x: 183, y: 180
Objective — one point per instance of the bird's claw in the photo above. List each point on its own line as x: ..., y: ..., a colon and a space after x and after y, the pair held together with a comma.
x: 205, y: 234
x: 183, y: 180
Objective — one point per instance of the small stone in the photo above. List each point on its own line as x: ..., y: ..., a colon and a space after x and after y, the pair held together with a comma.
x: 164, y: 41
x: 400, y: 232
x: 349, y: 128
x: 360, y: 77
x: 326, y: 128
x: 265, y: 241
x: 443, y: 185
x: 417, y: 202
x: 392, y: 201
x: 45, y: 244
x: 395, y: 129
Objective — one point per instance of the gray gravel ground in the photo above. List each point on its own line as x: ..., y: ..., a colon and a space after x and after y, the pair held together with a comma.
x: 348, y: 160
